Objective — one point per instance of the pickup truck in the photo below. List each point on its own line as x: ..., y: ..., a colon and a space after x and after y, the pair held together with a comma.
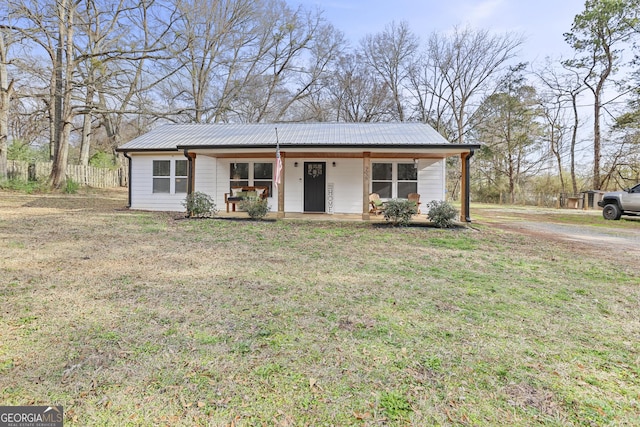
x: 618, y: 203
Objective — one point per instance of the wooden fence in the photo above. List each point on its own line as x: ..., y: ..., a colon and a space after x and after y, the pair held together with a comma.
x: 583, y: 200
x: 83, y: 175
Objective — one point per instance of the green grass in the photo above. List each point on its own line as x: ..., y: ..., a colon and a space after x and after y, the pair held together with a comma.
x: 129, y: 318
x: 27, y: 187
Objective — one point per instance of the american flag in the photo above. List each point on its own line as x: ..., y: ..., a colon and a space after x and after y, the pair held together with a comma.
x: 278, y: 174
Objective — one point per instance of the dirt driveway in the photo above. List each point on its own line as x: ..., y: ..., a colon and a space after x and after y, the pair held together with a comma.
x: 585, y: 230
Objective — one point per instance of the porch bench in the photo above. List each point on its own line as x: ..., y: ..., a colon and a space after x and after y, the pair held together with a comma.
x: 238, y: 194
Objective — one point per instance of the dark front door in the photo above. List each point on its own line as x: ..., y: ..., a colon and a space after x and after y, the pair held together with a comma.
x: 314, y: 186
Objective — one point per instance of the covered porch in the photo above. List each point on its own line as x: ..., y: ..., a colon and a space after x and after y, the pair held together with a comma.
x: 342, y: 174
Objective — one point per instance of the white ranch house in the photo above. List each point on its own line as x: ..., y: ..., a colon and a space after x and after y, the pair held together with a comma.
x: 327, y: 167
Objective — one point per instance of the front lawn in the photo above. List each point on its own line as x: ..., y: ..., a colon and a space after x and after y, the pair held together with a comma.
x: 137, y: 318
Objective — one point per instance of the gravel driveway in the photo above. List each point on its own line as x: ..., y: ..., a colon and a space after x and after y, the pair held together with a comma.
x: 613, y: 239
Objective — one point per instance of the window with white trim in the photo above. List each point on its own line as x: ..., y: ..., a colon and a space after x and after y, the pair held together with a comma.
x: 168, y: 172
x: 407, y: 174
x: 181, y: 177
x: 162, y: 176
x: 394, y: 180
x: 251, y: 174
x: 239, y: 175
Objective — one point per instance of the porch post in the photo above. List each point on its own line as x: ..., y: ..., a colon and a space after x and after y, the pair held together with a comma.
x: 464, y: 187
x: 280, y: 213
x: 366, y: 183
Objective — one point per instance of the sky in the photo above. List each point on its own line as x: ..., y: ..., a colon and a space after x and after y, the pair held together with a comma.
x: 541, y: 22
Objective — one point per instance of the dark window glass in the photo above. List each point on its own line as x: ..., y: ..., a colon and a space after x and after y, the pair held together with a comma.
x: 381, y: 172
x: 239, y: 184
x: 181, y: 168
x: 407, y: 172
x: 161, y: 168
x: 404, y: 188
x: 181, y: 185
x: 161, y: 185
x: 239, y: 171
x: 181, y: 176
x: 382, y: 188
x: 263, y: 171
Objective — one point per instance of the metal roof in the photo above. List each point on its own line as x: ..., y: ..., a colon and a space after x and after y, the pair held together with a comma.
x: 172, y: 137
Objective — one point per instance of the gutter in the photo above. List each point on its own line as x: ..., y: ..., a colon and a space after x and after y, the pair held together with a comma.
x: 129, y: 180
x: 467, y: 215
x: 189, y: 171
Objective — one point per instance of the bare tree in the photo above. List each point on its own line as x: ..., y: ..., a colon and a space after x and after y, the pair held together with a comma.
x: 562, y: 95
x: 99, y: 34
x: 210, y: 44
x: 127, y: 72
x: 464, y: 64
x: 64, y: 66
x: 597, y: 34
x: 50, y: 26
x: 278, y: 77
x: 429, y: 90
x: 316, y: 67
x: 390, y: 54
x: 359, y: 96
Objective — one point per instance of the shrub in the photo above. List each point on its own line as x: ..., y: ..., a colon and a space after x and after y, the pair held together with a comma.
x: 27, y: 187
x: 256, y: 208
x: 441, y: 213
x: 102, y: 160
x: 399, y: 211
x: 199, y: 205
x: 70, y: 186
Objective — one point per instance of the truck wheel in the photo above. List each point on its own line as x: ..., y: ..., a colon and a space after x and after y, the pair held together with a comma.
x: 611, y: 211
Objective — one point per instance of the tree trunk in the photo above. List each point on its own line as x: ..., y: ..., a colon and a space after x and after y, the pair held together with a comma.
x: 6, y: 89
x: 85, y: 144
x: 574, y: 138
x: 596, y: 143
x: 64, y: 70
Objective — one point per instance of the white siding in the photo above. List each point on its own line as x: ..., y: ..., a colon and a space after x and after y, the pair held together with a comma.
x: 221, y: 181
x: 347, y: 185
x: 205, y: 177
x: 294, y: 186
x: 212, y: 177
x: 431, y: 180
x: 142, y: 195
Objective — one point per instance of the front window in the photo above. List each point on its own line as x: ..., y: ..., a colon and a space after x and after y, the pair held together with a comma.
x: 251, y: 174
x: 263, y: 175
x: 382, y: 179
x: 239, y: 175
x: 181, y: 176
x: 407, y: 179
x: 170, y: 176
x: 391, y: 180
x: 161, y: 176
